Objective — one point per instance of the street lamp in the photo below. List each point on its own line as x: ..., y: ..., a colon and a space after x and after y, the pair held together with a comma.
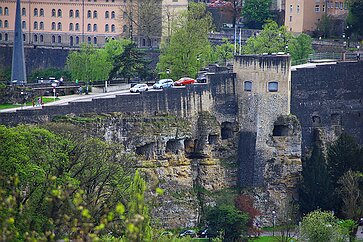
x: 167, y: 73
x: 273, y: 222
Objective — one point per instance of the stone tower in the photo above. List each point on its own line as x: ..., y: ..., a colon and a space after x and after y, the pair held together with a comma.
x: 18, y: 73
x: 263, y: 85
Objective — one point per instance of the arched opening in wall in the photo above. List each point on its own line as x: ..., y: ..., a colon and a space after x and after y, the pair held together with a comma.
x: 336, y: 119
x: 213, y: 139
x: 147, y: 151
x: 227, y: 130
x: 316, y: 120
x: 175, y: 146
x: 71, y: 41
x: 280, y: 130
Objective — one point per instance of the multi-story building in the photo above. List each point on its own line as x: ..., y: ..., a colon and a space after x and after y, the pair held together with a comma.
x: 68, y: 23
x: 303, y: 15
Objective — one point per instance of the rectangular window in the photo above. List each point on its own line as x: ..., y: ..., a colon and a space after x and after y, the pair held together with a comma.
x: 298, y: 8
x: 247, y: 86
x: 336, y: 5
x: 291, y: 8
x: 317, y: 8
x: 324, y: 8
x: 290, y: 18
x: 341, y: 6
x: 273, y: 86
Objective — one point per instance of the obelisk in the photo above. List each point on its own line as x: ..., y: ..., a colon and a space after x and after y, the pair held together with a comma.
x: 18, y: 74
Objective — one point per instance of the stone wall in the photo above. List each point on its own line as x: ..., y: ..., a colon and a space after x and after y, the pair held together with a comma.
x: 329, y: 97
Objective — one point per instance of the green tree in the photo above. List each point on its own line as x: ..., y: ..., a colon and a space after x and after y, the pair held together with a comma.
x: 321, y: 226
x: 300, y: 47
x: 324, y: 27
x: 89, y: 64
x: 316, y: 190
x: 49, y: 72
x: 228, y: 220
x: 272, y: 39
x: 224, y: 51
x: 355, y: 17
x: 189, y: 47
x: 130, y: 63
x: 256, y: 13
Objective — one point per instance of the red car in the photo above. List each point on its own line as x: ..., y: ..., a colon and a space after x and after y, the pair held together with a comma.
x: 184, y: 81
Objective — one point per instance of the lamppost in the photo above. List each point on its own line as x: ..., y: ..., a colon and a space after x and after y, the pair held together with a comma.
x: 167, y: 73
x: 273, y: 222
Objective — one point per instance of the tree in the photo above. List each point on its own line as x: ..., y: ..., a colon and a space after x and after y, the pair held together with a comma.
x: 324, y: 27
x: 88, y: 64
x: 300, y: 47
x: 256, y: 13
x: 355, y: 17
x: 189, y: 47
x: 321, y: 226
x: 235, y: 8
x: 228, y: 220
x: 224, y: 51
x: 130, y: 63
x: 244, y: 203
x: 315, y: 190
x: 350, y: 194
x: 272, y: 39
x: 343, y: 155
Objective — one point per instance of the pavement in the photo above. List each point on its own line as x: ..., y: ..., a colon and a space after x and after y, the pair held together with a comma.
x: 65, y: 100
x: 359, y: 234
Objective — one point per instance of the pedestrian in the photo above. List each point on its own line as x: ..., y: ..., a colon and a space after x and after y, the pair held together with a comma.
x: 358, y: 56
x: 39, y: 101
x: 80, y: 90
x: 33, y: 101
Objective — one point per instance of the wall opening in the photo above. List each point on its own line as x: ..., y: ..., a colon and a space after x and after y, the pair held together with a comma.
x: 213, y: 139
x: 227, y: 130
x: 316, y: 120
x: 147, y: 151
x: 280, y: 130
x: 189, y: 146
x: 174, y: 146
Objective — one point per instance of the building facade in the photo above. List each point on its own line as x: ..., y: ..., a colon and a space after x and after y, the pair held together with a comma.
x: 68, y: 23
x: 303, y: 15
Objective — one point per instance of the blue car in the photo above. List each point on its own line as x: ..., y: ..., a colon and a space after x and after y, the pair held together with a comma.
x: 163, y: 83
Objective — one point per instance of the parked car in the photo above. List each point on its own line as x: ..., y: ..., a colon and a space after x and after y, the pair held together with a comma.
x: 187, y: 232
x: 184, y: 81
x: 360, y: 222
x: 202, y: 77
x: 207, y: 233
x: 139, y: 88
x: 163, y: 83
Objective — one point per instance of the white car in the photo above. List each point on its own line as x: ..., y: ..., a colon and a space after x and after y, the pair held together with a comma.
x: 139, y: 88
x: 163, y: 83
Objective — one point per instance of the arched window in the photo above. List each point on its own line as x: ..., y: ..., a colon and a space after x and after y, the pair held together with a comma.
x: 41, y: 38
x: 77, y: 40
x: 71, y: 41
x: 59, y: 13
x: 1, y: 36
x: 1, y: 23
x: 95, y: 40
x: 53, y: 39
x: 23, y: 25
x: 35, y: 38
x: 89, y: 14
x: 89, y: 40
x: 59, y: 39
x: 71, y: 27
x: 107, y: 28
x: 77, y: 27
x: 41, y: 12
x: 35, y: 25
x: 59, y: 26
x: 95, y: 14
x: 95, y: 28
x: 113, y: 15
x: 113, y: 28
x: 6, y: 11
x: 89, y: 28
x: 6, y: 24
x: 53, y: 25
x: 41, y: 25
x: 71, y: 12
x: 1, y: 11
x: 53, y: 12
x: 77, y: 13
x: 107, y: 14
x: 23, y: 12
x: 6, y: 37
x: 35, y: 12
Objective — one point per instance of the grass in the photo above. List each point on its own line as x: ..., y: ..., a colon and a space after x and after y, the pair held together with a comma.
x: 264, y: 239
x: 8, y: 105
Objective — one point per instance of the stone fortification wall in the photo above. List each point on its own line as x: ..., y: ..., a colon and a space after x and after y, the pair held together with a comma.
x: 258, y: 108
x: 329, y: 97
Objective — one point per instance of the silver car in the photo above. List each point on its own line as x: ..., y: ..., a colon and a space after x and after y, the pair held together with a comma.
x: 163, y: 83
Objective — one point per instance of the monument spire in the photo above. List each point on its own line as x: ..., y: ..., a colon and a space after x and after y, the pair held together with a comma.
x: 18, y: 73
